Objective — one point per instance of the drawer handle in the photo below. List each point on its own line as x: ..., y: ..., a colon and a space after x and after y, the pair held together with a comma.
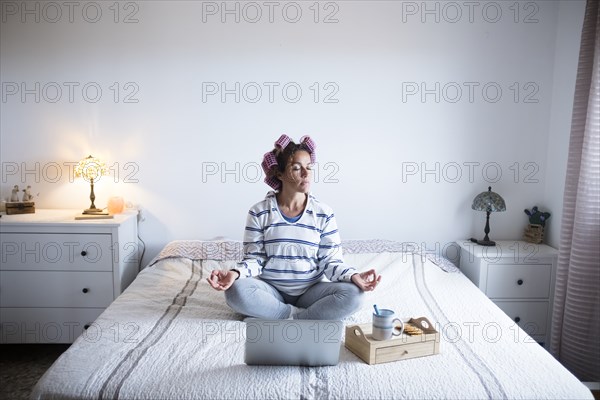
x: 83, y: 253
x: 85, y: 290
x: 517, y: 319
x: 520, y: 282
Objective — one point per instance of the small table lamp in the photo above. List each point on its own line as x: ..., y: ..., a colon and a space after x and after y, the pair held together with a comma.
x: 91, y: 169
x: 488, y: 202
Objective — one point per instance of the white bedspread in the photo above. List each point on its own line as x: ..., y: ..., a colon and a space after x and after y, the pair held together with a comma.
x: 170, y: 336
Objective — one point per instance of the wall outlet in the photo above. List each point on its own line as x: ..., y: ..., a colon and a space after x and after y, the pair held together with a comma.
x: 134, y: 206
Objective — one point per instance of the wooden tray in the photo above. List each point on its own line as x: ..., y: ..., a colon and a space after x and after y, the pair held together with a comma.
x: 360, y: 341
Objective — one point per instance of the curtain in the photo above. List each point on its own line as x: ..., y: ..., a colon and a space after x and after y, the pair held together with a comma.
x: 575, y: 336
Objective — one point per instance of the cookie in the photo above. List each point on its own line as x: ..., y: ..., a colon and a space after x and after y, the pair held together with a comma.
x: 412, y: 330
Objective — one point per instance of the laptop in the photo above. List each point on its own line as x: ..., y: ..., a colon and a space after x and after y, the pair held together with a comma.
x: 293, y: 342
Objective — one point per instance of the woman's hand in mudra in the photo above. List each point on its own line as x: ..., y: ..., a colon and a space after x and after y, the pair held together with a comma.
x: 366, y: 281
x: 221, y: 279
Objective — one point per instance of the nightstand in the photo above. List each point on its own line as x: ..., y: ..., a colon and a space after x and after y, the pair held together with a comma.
x: 519, y: 277
x: 58, y: 274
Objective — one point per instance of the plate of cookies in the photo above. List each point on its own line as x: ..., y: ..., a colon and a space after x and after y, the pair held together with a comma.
x: 418, y: 326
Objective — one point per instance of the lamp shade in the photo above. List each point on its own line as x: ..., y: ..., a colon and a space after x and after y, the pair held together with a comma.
x: 90, y: 169
x: 488, y: 201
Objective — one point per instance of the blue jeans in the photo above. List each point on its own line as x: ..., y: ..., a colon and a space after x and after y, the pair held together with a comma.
x: 324, y: 300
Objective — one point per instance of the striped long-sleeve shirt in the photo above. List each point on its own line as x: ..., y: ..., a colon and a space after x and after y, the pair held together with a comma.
x: 293, y: 256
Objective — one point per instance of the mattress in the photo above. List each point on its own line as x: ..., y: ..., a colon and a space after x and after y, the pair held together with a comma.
x: 171, y: 336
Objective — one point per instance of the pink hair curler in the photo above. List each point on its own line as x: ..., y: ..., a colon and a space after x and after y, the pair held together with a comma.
x: 311, y: 146
x: 273, y: 182
x: 282, y: 142
x: 269, y: 160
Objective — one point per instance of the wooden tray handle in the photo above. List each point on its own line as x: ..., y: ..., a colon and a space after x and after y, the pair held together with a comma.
x: 423, y: 323
x: 358, y: 332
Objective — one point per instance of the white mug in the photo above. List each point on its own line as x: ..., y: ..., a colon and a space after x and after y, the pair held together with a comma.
x: 383, y: 325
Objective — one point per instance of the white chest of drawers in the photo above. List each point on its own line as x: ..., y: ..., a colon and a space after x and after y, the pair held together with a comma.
x: 519, y: 277
x: 58, y: 274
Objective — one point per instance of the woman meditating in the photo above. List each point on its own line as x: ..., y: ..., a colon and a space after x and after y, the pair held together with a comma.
x: 293, y: 266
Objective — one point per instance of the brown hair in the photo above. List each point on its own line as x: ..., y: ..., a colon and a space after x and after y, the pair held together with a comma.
x: 283, y: 156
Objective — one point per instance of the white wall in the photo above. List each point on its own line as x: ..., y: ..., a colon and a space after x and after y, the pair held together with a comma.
x: 171, y: 150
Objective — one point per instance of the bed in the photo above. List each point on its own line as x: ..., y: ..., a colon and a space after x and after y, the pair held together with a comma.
x: 171, y: 336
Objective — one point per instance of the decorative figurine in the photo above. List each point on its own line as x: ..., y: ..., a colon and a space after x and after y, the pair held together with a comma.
x: 26, y: 206
x: 534, y: 232
x: 15, y: 194
x: 537, y: 217
x: 27, y: 196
